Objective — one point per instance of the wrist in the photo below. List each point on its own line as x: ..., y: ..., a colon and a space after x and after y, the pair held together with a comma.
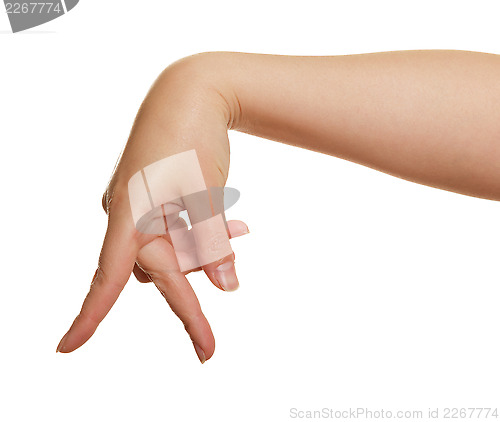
x: 189, y: 106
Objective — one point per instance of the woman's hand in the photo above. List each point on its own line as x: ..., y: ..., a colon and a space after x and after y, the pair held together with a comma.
x: 182, y: 112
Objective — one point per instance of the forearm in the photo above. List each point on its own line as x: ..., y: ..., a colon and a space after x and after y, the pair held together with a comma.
x: 432, y: 116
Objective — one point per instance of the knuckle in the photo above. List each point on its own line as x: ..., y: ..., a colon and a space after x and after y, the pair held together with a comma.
x: 89, y: 316
x: 193, y: 319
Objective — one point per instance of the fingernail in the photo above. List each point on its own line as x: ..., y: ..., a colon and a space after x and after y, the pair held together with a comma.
x: 199, y: 352
x: 61, y: 343
x: 240, y: 229
x: 225, y: 274
x: 243, y: 229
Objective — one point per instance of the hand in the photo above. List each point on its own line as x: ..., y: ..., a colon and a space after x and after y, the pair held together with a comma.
x: 179, y: 114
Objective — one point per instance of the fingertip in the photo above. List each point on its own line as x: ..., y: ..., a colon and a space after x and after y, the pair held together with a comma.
x: 202, y: 338
x: 200, y: 353
x: 78, y: 334
x: 64, y: 345
x: 209, y: 348
x: 60, y: 346
x: 225, y: 274
x: 237, y: 228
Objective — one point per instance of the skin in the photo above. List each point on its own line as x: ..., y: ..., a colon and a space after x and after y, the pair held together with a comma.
x: 428, y: 116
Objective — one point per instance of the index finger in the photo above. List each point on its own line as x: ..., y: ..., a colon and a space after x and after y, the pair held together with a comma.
x: 116, y: 263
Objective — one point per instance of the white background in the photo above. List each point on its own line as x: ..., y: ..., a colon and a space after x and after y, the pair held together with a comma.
x: 357, y: 289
